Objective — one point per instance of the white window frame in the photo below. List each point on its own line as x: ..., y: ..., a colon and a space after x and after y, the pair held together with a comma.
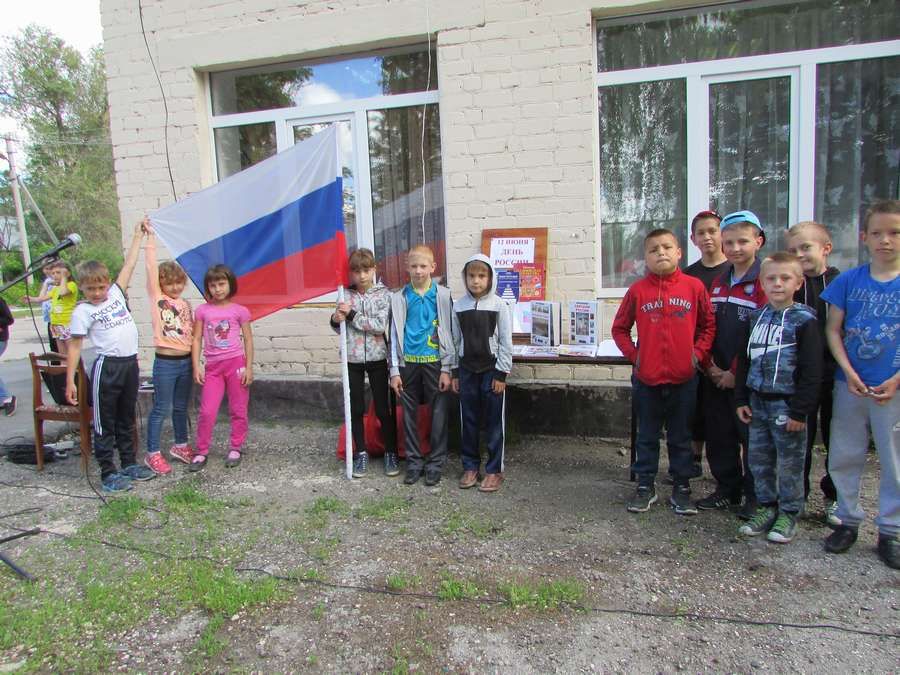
x: 801, y: 65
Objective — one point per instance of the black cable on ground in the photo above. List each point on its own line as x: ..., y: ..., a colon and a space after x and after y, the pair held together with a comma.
x: 695, y: 616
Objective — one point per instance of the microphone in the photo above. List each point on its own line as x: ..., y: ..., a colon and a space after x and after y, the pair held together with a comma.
x: 68, y: 242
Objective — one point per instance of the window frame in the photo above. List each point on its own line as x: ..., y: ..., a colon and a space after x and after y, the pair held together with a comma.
x: 698, y: 75
x: 357, y: 110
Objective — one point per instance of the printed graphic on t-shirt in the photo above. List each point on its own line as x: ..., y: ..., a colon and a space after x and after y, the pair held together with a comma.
x: 433, y: 341
x: 217, y: 333
x: 678, y: 308
x: 170, y: 320
x: 875, y: 326
x: 111, y: 316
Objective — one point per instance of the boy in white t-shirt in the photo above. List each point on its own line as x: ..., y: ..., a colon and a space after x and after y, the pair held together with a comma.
x: 106, y: 320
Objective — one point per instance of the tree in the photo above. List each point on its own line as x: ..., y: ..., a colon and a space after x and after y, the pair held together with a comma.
x: 59, y: 97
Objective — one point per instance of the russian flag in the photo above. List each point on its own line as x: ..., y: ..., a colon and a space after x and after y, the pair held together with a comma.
x: 278, y: 225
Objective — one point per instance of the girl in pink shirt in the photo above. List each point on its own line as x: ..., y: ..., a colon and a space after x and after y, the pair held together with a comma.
x: 219, y: 326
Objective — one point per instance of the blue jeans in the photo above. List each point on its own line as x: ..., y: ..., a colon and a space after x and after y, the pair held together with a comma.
x: 172, y: 380
x: 672, y: 406
x: 776, y: 456
x: 4, y: 393
x: 481, y: 407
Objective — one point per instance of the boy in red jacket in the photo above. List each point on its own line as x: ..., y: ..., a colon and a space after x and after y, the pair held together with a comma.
x: 675, y: 326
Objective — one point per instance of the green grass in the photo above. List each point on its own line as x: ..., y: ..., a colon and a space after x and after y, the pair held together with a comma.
x: 543, y: 595
x: 390, y: 507
x: 186, y: 497
x: 400, y: 581
x: 328, y: 505
x: 210, y: 645
x: 120, y: 511
x: 219, y: 590
x: 318, y: 612
x: 460, y: 522
x: 452, y: 588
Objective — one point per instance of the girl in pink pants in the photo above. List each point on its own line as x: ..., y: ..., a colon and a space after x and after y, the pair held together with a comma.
x: 222, y: 329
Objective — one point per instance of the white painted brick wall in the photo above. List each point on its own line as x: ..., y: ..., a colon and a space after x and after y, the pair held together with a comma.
x: 517, y: 104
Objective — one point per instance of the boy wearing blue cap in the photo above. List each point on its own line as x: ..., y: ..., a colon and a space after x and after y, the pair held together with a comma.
x: 735, y: 294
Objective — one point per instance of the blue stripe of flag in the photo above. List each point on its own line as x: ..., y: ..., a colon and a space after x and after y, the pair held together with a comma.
x: 313, y: 219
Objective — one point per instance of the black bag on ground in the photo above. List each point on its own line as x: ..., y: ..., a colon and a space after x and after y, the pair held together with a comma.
x: 23, y: 453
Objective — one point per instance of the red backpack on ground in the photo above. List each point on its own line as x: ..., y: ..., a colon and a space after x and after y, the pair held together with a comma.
x: 372, y: 431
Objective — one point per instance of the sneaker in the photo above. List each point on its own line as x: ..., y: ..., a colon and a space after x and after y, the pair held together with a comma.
x: 116, y: 482
x: 10, y: 406
x: 841, y: 539
x: 468, y: 480
x: 138, y: 472
x: 491, y: 482
x: 831, y: 518
x: 432, y: 477
x: 643, y: 498
x: 681, y: 501
x: 889, y: 550
x: 360, y: 464
x: 784, y: 529
x: 748, y: 509
x: 183, y: 453
x: 719, y: 499
x: 760, y: 523
x: 391, y: 464
x: 157, y: 463
x: 412, y: 476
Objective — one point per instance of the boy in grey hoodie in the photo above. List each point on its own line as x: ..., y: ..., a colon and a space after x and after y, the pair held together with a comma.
x: 366, y: 315
x: 482, y: 332
x: 422, y: 356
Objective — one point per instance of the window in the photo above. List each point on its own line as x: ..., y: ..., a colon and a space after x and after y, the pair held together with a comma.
x: 790, y: 109
x: 386, y: 108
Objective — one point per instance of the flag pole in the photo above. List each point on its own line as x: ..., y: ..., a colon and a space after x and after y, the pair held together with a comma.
x: 345, y: 380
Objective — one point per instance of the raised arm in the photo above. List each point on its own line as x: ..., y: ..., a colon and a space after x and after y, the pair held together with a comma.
x: 131, y: 257
x: 150, y: 262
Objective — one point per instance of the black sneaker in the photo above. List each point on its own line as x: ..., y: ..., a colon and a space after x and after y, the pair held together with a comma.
x: 889, y: 550
x: 841, y: 539
x: 10, y: 407
x: 391, y: 464
x: 749, y: 509
x: 681, y: 501
x: 719, y: 499
x: 643, y: 498
x: 412, y: 476
x: 432, y: 477
x: 360, y: 464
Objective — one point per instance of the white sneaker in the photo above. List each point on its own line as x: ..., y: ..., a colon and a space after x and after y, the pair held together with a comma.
x: 831, y: 514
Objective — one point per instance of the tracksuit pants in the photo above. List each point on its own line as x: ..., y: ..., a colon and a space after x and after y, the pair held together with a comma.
x: 725, y: 434
x: 480, y: 407
x: 378, y: 384
x: 420, y: 386
x: 222, y: 376
x: 114, y: 390
x: 820, y: 419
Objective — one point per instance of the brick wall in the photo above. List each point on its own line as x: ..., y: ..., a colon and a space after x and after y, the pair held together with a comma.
x: 518, y: 124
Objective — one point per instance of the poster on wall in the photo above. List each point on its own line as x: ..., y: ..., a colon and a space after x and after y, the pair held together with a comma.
x: 520, y: 257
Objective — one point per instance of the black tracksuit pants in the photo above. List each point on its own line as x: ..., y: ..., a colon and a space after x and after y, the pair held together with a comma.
x: 378, y: 384
x: 114, y: 390
x: 725, y: 434
x: 420, y: 386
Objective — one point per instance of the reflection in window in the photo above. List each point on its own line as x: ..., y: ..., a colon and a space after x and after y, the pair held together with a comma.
x: 242, y: 146
x: 345, y: 140
x: 406, y: 182
x: 742, y: 29
x: 857, y: 147
x: 643, y: 172
x: 749, y: 151
x: 288, y: 85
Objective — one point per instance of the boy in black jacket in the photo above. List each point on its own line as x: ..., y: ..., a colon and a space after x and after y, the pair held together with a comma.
x: 811, y: 243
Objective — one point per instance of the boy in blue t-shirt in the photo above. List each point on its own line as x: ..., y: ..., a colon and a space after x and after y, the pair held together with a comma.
x: 863, y: 331
x: 422, y: 355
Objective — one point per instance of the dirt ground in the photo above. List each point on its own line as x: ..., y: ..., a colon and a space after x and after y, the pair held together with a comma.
x: 549, y: 575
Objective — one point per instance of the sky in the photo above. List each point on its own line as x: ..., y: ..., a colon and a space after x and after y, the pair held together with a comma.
x: 75, y: 21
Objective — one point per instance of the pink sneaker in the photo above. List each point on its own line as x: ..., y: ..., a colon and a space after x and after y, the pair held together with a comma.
x: 184, y: 453
x: 157, y: 463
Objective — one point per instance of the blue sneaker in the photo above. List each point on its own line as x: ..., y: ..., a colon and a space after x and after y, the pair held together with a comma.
x: 138, y: 472
x: 116, y: 482
x: 360, y: 464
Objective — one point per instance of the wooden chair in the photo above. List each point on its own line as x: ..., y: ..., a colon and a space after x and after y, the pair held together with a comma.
x: 81, y: 414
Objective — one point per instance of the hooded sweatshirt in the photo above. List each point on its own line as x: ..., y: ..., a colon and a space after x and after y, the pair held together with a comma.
x: 367, y: 324
x: 781, y: 356
x: 675, y: 326
x: 811, y: 296
x: 482, y: 328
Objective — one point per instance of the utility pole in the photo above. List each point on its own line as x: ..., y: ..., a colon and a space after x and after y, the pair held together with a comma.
x: 17, y: 200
